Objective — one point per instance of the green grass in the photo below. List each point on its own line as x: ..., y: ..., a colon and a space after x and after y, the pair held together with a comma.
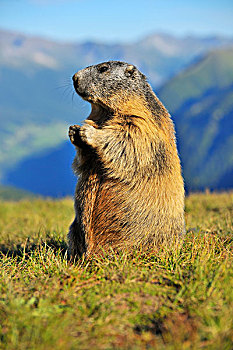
x: 162, y: 299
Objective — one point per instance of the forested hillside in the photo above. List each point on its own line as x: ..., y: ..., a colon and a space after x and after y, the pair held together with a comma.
x: 200, y: 100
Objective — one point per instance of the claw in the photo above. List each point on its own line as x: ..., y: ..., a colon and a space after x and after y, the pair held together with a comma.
x: 74, y: 133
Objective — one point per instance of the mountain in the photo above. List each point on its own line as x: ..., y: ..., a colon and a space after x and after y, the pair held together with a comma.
x: 36, y: 95
x: 200, y: 100
x: 48, y: 173
x: 8, y: 193
x: 158, y: 55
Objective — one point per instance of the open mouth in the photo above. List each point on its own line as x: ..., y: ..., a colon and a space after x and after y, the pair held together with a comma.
x: 99, y: 111
x: 92, y: 100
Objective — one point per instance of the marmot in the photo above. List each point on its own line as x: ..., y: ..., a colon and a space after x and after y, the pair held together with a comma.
x: 130, y: 190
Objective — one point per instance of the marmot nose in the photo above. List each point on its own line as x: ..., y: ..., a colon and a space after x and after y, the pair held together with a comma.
x: 75, y: 78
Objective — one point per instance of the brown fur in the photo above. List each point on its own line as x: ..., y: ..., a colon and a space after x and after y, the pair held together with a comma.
x: 130, y: 190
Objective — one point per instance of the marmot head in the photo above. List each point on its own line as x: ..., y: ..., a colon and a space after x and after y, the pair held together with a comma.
x: 116, y: 86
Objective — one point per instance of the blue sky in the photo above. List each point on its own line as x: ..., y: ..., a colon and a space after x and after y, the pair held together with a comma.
x: 118, y: 21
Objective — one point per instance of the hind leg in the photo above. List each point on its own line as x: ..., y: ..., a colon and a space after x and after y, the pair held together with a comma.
x: 76, y: 241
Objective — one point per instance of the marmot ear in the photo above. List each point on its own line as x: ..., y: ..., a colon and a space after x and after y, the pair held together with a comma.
x: 129, y: 70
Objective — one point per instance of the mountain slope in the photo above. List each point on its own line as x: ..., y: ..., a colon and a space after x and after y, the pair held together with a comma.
x: 48, y: 173
x: 158, y: 55
x: 34, y: 115
x: 36, y: 103
x: 200, y: 100
x: 8, y: 193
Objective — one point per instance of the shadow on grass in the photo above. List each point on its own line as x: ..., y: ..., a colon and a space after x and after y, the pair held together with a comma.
x: 26, y: 249
x: 154, y: 326
x: 179, y: 325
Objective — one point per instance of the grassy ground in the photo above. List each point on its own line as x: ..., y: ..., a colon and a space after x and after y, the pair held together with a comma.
x: 177, y: 299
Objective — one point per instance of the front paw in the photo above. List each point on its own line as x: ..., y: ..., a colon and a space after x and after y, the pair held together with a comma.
x: 87, y: 133
x: 74, y: 134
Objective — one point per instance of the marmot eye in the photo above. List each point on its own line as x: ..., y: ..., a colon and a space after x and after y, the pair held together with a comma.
x: 103, y: 69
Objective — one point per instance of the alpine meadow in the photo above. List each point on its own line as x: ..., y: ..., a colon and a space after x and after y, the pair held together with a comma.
x: 165, y: 299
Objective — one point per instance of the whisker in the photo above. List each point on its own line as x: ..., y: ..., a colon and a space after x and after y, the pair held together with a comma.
x: 68, y: 88
x: 61, y: 87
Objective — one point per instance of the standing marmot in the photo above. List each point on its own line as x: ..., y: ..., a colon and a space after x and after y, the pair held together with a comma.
x: 130, y: 190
